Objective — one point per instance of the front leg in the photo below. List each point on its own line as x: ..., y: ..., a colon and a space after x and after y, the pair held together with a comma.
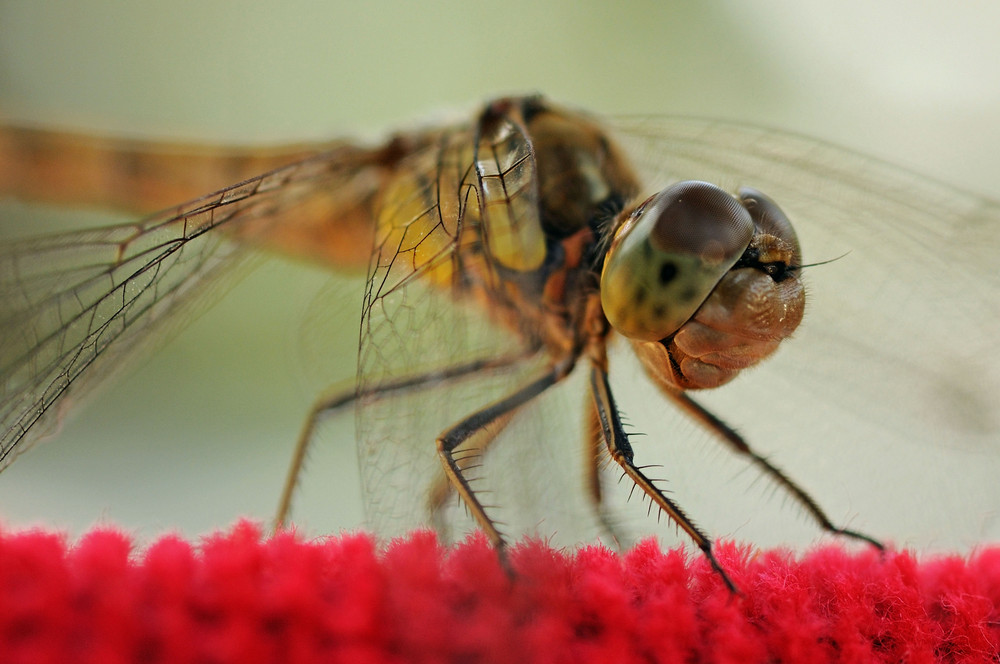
x: 595, y: 458
x: 621, y: 452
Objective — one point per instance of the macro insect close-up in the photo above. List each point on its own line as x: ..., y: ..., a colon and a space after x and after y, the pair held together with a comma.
x: 540, y: 296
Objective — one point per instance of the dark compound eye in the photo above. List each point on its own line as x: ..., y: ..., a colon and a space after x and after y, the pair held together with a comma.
x: 673, y: 250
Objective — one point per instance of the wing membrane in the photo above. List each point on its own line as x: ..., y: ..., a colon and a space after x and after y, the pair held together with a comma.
x: 71, y: 303
x: 418, y: 318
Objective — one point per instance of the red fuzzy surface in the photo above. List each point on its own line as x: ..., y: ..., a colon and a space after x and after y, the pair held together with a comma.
x: 241, y: 597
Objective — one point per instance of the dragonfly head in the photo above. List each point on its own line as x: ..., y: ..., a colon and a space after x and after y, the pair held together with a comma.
x: 703, y: 283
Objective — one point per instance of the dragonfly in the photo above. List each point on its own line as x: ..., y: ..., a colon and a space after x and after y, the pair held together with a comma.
x: 531, y: 249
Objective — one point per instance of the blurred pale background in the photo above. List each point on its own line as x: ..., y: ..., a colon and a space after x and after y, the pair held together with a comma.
x: 201, y: 433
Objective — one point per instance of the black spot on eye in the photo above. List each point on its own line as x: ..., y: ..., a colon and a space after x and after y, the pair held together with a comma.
x: 640, y: 295
x: 667, y: 273
x: 659, y: 312
x: 688, y: 294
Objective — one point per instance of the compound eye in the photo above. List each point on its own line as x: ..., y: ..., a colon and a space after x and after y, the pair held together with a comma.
x: 668, y: 256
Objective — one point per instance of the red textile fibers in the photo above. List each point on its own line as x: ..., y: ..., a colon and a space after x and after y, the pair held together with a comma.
x: 240, y: 597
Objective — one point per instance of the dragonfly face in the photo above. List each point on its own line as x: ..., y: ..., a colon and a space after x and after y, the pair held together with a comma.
x: 709, y: 288
x: 508, y: 254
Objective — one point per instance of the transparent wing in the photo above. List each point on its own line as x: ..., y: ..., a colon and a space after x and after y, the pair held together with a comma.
x: 419, y: 320
x: 72, y: 305
x: 887, y: 395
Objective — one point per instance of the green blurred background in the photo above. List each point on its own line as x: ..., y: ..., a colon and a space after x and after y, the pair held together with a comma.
x: 201, y: 433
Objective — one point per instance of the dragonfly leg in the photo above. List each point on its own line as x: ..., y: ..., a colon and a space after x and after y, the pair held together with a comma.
x: 453, y: 438
x: 594, y: 453
x: 330, y: 401
x: 442, y: 490
x: 621, y: 452
x: 342, y: 395
x: 738, y: 444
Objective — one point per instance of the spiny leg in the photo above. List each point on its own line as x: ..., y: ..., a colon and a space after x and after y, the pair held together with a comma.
x: 340, y: 396
x: 594, y: 450
x: 453, y: 438
x: 442, y: 489
x: 737, y: 443
x: 621, y: 453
